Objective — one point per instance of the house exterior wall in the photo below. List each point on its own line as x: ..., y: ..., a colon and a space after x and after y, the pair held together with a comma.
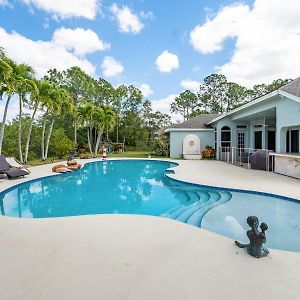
x: 177, y: 137
x: 287, y: 116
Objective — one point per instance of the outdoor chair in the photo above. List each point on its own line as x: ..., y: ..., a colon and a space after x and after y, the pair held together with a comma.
x: 261, y: 160
x: 10, y: 171
x: 13, y: 162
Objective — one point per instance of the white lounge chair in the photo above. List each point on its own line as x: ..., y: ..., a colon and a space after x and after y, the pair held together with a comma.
x: 13, y: 162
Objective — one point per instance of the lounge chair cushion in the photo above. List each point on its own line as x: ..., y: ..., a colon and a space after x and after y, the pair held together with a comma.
x: 14, y: 173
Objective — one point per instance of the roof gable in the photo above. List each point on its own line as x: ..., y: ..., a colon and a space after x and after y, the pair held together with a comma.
x: 198, y: 122
x: 291, y: 90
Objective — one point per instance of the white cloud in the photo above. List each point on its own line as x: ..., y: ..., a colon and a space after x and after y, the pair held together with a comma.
x: 147, y: 15
x: 267, y: 42
x: 44, y: 55
x: 163, y: 105
x: 146, y: 89
x: 209, y: 38
x: 4, y: 3
x: 191, y: 85
x: 81, y: 40
x: 67, y: 9
x: 167, y: 62
x: 111, y: 67
x: 127, y: 20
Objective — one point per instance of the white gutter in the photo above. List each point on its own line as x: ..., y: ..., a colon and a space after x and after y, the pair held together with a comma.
x: 289, y: 96
x: 187, y: 129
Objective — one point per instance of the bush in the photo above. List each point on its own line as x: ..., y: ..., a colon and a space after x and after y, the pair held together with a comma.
x: 84, y: 156
x: 60, y: 144
x: 208, y: 152
x: 161, y: 145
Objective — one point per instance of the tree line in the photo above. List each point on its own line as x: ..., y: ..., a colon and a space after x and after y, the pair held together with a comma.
x: 73, y: 109
x: 217, y: 95
x: 69, y: 109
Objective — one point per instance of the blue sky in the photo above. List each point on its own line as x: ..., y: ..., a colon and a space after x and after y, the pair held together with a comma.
x: 164, y: 47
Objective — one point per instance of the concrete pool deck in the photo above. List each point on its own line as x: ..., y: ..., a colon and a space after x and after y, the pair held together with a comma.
x: 142, y: 257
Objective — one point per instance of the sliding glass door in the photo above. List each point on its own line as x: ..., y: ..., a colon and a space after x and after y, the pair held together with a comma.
x: 292, y: 141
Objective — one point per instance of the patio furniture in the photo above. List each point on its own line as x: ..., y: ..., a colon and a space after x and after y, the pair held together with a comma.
x: 13, y: 162
x: 9, y: 171
x: 260, y: 160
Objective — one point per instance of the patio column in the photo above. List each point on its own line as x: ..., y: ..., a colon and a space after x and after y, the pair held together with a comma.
x: 280, y: 139
x: 264, y: 136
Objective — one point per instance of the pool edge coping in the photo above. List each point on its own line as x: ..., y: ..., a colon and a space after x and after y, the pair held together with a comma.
x: 177, y: 163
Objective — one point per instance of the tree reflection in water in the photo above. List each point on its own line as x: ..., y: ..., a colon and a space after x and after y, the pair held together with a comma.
x: 125, y: 187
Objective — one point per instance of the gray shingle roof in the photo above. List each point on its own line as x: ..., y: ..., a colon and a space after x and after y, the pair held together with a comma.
x: 292, y: 88
x: 196, y: 122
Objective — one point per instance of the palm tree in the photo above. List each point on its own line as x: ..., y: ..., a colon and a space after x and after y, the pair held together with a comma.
x: 24, y: 84
x: 60, y: 103
x: 109, y: 120
x: 6, y: 86
x: 85, y: 113
x: 41, y: 96
x: 98, y: 117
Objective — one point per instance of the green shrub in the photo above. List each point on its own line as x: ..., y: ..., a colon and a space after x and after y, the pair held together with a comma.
x: 60, y: 144
x: 161, y: 145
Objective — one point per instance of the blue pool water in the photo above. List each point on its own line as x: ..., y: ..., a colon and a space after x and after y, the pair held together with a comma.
x: 141, y: 187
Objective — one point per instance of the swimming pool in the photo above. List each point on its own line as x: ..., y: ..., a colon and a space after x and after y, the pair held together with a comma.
x: 142, y: 187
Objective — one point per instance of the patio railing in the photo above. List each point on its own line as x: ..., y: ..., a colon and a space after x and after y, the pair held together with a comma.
x: 241, y: 157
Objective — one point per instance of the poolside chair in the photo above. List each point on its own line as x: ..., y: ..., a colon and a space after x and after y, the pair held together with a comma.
x: 9, y: 171
x: 13, y: 162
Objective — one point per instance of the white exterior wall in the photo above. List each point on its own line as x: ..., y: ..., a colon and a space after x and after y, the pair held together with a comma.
x: 177, y: 137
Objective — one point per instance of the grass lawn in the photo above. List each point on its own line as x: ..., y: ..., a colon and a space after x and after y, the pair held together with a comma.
x: 133, y: 154
x: 38, y: 162
x: 129, y: 154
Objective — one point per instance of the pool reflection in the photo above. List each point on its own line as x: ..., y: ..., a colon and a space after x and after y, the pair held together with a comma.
x: 99, y: 188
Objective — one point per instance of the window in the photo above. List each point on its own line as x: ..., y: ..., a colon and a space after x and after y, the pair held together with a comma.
x: 225, y: 137
x: 292, y: 141
x: 241, y: 140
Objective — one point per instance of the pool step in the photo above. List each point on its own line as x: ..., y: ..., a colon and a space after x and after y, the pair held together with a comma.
x: 193, y: 213
x: 184, y: 216
x: 193, y: 197
x: 196, y: 218
x: 186, y: 202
